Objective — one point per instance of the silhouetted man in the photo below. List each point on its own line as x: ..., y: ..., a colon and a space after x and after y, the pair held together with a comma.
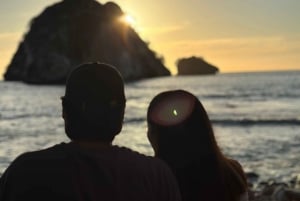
x: 89, y: 168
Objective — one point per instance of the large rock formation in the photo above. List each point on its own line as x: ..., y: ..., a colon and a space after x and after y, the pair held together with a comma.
x: 195, y: 66
x: 75, y: 31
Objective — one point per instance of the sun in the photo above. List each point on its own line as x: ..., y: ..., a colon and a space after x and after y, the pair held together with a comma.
x: 128, y: 19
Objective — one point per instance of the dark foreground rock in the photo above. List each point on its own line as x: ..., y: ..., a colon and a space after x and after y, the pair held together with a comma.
x: 195, y: 66
x: 71, y: 32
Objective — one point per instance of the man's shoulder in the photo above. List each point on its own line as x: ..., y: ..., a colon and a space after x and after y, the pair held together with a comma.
x: 55, y: 151
x: 134, y: 156
x: 132, y: 153
x: 29, y: 163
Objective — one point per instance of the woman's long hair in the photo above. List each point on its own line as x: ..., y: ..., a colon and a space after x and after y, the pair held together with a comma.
x: 189, y: 146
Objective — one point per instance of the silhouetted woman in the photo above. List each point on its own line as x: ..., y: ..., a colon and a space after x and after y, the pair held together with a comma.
x: 181, y: 134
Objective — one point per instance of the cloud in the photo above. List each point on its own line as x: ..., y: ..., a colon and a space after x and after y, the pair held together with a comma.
x: 232, y: 54
x: 240, y: 46
x: 163, y: 30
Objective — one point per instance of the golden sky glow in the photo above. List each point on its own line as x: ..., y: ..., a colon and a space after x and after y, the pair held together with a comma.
x: 234, y: 35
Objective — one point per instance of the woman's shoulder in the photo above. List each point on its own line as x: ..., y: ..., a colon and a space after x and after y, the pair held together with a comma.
x: 235, y: 164
x: 236, y: 171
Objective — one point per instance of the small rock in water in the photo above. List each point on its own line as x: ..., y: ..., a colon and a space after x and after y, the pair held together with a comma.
x: 252, y: 178
x: 295, y: 181
x: 276, y: 191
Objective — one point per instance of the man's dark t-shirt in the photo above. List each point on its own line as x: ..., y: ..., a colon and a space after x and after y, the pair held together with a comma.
x: 67, y: 172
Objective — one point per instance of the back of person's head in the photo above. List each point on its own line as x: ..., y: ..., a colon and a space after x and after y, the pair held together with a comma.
x: 179, y: 128
x: 94, y: 102
x: 181, y: 134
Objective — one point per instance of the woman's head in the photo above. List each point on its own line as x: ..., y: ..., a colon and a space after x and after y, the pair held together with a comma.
x: 179, y: 128
x: 181, y: 134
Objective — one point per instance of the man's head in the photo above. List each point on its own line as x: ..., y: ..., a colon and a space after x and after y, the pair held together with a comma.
x: 94, y: 102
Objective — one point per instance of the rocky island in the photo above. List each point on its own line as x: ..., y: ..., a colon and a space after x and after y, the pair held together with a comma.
x: 195, y: 66
x: 71, y: 32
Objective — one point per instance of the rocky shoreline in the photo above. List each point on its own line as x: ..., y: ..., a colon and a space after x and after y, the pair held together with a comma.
x: 273, y: 190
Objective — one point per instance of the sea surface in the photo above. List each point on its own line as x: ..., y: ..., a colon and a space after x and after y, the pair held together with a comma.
x: 256, y: 117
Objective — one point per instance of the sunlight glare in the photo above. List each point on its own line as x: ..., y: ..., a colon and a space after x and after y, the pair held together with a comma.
x: 128, y: 19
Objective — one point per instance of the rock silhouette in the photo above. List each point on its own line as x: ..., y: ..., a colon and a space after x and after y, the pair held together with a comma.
x: 71, y: 32
x: 195, y: 65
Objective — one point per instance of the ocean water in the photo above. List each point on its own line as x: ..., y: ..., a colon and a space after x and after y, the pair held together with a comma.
x: 256, y: 117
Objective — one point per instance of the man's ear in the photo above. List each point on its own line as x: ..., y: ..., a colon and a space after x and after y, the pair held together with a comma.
x: 63, y: 113
x: 152, y: 137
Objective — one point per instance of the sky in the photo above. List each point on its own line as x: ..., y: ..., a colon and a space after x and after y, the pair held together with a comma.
x: 234, y: 35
